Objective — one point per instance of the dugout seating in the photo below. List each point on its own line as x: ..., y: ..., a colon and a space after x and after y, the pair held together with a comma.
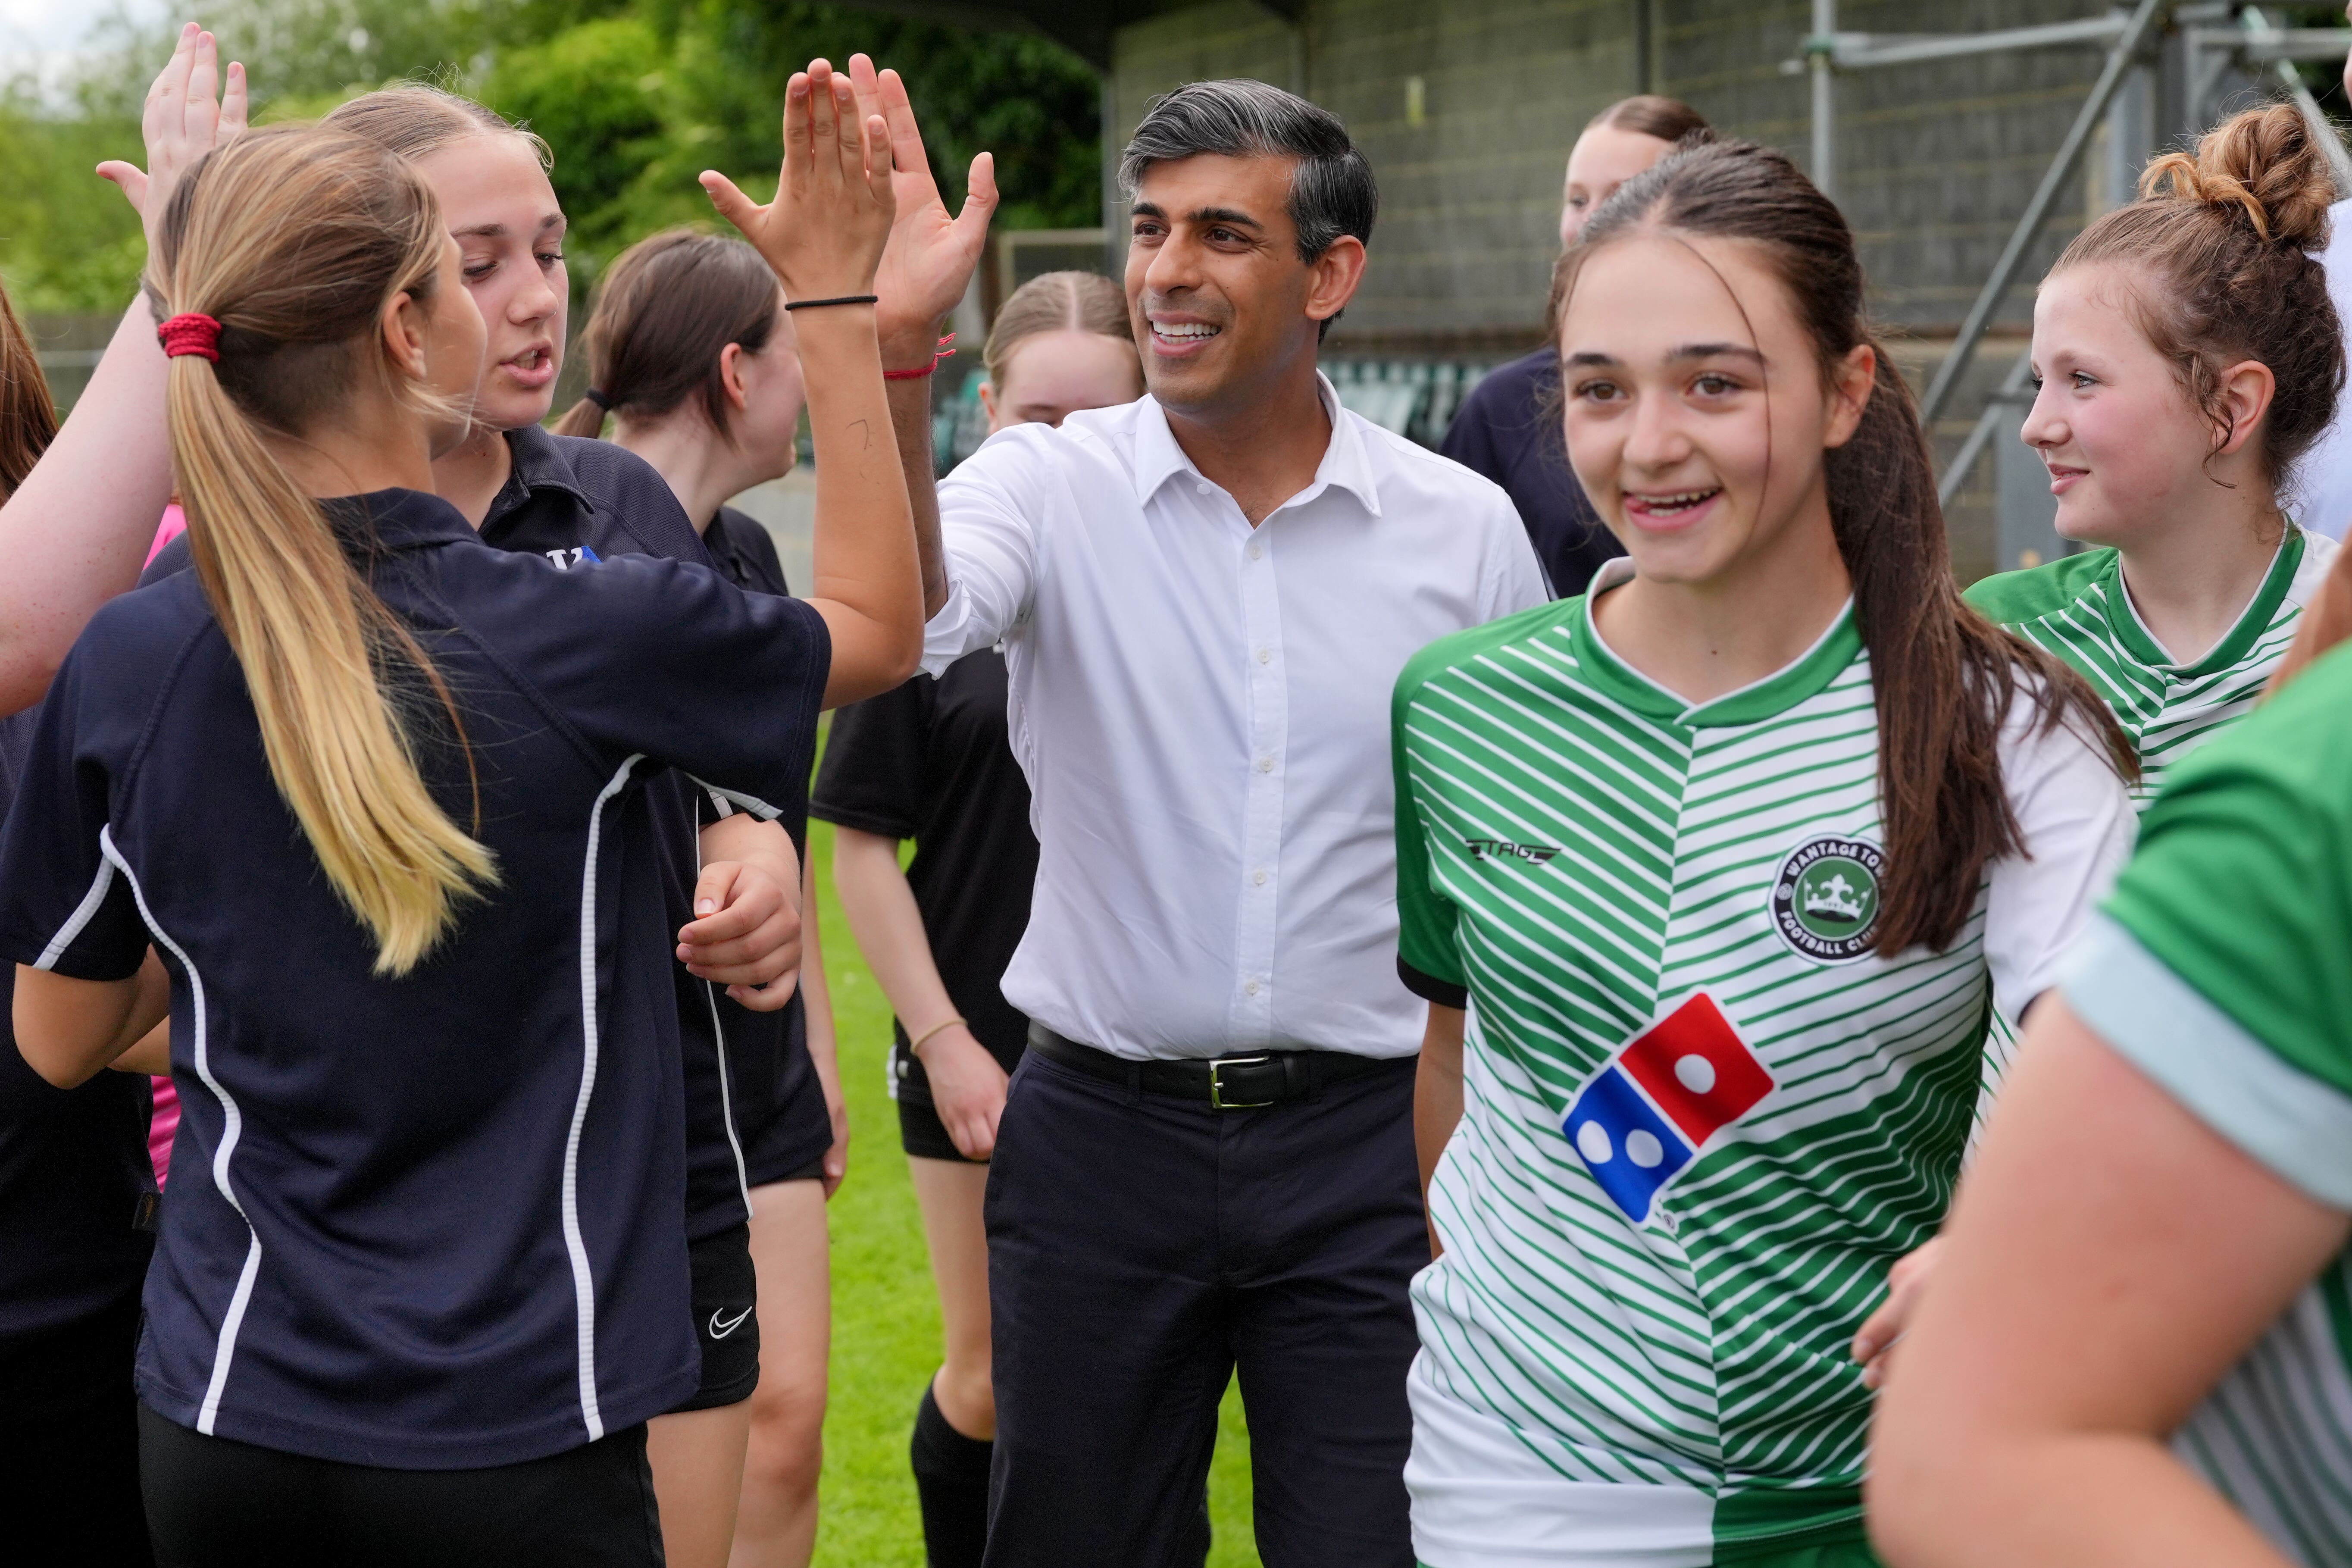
x: 1415, y: 398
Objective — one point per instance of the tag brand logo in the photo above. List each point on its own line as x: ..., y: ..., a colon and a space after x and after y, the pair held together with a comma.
x: 1504, y: 850
x: 719, y: 1331
x: 579, y: 556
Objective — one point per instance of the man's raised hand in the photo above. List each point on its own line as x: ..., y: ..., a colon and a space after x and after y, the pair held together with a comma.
x: 931, y: 257
x: 190, y: 111
x: 824, y: 232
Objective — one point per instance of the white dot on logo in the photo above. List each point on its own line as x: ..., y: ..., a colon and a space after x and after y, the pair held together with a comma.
x: 1643, y: 1149
x: 1592, y: 1143
x: 1696, y: 1074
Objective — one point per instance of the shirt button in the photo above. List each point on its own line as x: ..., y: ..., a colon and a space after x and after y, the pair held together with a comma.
x: 1265, y: 656
x: 1258, y: 877
x: 1257, y: 551
x: 1265, y: 764
x: 1203, y: 487
x: 1251, y: 988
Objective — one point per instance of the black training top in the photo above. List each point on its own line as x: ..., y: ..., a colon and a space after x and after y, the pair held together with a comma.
x: 574, y: 501
x: 778, y: 1100
x: 437, y: 1223
x: 932, y: 760
x: 1509, y: 429
x: 73, y: 1164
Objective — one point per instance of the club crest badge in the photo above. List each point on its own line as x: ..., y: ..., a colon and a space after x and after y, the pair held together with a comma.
x: 1825, y: 900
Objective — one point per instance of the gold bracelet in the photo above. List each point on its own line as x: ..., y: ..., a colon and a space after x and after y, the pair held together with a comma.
x: 916, y: 1043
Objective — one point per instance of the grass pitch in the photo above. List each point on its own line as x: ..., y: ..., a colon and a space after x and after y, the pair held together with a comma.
x: 886, y: 1318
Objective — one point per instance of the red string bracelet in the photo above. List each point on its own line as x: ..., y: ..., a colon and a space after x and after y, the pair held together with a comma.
x: 190, y: 333
x: 942, y: 352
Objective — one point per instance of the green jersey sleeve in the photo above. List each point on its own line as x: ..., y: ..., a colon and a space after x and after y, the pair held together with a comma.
x: 1428, y: 960
x: 2225, y: 966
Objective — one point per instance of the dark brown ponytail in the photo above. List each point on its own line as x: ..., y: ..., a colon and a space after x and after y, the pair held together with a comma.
x: 665, y: 309
x: 1945, y: 678
x: 28, y: 420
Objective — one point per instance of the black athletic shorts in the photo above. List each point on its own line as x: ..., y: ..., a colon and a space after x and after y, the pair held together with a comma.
x: 726, y: 1318
x: 215, y: 1503
x: 920, y: 1131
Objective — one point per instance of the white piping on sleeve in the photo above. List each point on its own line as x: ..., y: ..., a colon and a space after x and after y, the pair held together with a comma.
x: 233, y: 1126
x: 83, y: 911
x: 583, y: 1278
x: 751, y: 803
x: 718, y: 1038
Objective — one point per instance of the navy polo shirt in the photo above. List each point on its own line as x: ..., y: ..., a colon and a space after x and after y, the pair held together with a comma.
x: 571, y: 501
x: 1509, y: 429
x: 73, y: 1165
x: 430, y: 1222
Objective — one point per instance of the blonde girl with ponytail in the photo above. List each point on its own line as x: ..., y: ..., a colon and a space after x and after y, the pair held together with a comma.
x: 359, y: 779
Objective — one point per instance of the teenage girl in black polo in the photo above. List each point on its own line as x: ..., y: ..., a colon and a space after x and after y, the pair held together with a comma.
x: 445, y: 1233
x: 933, y: 761
x: 74, y: 1190
x: 692, y: 353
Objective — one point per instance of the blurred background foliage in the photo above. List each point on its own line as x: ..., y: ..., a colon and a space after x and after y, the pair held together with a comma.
x: 636, y: 97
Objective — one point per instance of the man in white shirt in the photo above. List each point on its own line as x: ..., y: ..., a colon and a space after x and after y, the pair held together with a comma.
x: 1205, y: 1161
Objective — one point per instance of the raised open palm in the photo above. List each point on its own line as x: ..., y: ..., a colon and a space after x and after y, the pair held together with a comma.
x: 930, y: 257
x: 181, y: 121
x: 824, y: 232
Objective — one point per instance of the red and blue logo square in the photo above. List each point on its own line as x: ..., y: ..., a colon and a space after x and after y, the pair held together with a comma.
x: 1640, y: 1119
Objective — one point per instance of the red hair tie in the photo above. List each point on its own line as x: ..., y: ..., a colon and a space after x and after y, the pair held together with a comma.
x: 190, y: 333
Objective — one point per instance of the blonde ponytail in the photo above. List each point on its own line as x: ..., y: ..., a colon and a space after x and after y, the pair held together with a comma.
x: 293, y: 238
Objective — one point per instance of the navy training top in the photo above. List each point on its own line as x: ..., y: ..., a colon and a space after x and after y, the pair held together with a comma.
x: 1509, y: 429
x: 778, y: 1101
x: 437, y: 1219
x: 573, y: 502
x: 73, y: 1165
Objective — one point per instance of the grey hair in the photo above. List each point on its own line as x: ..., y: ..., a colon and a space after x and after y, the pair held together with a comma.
x: 1332, y: 192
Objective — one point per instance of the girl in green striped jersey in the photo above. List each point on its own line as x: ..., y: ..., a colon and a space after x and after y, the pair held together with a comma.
x: 2139, y: 1347
x: 1717, y: 882
x: 2187, y: 354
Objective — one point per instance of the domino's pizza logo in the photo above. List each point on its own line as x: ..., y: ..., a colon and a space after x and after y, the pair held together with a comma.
x: 1640, y: 1121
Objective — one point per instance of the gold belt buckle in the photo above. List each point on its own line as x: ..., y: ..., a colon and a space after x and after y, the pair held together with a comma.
x: 1217, y: 1101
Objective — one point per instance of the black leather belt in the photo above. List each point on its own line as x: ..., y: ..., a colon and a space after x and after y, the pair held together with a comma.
x: 1249, y: 1082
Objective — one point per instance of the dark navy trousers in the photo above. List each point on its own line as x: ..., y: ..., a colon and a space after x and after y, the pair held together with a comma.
x: 1141, y: 1250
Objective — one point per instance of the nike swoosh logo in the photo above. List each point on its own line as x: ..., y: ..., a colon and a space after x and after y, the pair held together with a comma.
x: 721, y: 1330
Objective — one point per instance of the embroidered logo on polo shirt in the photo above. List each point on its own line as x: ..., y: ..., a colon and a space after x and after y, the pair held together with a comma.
x: 719, y: 1331
x: 1504, y: 850
x: 579, y: 556
x: 1825, y: 900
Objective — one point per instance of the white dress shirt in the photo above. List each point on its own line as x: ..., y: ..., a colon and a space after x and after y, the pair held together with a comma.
x: 1202, y: 711
x: 2322, y: 502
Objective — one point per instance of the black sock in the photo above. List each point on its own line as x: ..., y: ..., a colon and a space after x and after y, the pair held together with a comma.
x: 951, y: 1485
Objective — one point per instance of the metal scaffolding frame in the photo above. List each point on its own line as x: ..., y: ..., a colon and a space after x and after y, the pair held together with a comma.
x: 2212, y: 43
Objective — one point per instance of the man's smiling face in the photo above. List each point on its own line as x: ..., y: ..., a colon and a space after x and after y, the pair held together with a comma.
x: 1216, y: 291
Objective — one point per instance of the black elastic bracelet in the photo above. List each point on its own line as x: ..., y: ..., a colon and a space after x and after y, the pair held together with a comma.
x: 843, y: 299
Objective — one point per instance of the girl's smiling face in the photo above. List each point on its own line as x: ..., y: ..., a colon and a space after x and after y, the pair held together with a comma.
x: 1696, y: 409
x: 2124, y: 441
x: 509, y: 228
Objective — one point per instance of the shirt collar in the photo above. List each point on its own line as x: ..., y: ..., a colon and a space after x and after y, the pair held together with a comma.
x: 1346, y: 464
x: 1808, y: 675
x: 539, y: 463
x: 395, y: 519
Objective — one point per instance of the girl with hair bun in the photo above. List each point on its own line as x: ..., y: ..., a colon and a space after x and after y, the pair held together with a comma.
x: 2185, y: 355
x: 933, y: 761
x: 363, y: 782
x: 1728, y: 884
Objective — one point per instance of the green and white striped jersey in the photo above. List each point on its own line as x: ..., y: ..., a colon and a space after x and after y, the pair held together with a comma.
x: 2219, y: 968
x: 1701, y: 1116
x: 2076, y: 606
